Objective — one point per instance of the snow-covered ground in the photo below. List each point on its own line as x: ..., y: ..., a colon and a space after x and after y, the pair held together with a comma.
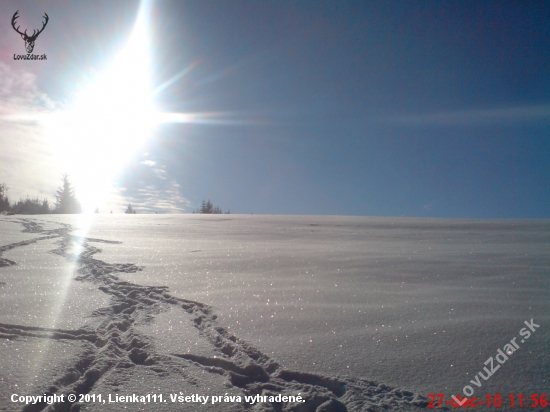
x: 350, y: 313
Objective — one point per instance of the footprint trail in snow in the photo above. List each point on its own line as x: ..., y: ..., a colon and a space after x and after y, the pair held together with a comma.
x: 113, y: 342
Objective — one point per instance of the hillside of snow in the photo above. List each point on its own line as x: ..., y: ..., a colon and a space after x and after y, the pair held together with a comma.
x: 335, y: 313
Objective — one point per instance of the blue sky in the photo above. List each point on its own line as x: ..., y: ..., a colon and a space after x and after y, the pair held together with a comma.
x: 432, y: 109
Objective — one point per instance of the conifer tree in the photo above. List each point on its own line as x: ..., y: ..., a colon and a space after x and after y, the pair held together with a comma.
x: 45, y: 209
x: 208, y: 208
x: 65, y: 199
x: 4, y: 202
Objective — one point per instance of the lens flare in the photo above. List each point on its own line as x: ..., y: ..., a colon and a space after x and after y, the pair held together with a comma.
x: 108, y: 120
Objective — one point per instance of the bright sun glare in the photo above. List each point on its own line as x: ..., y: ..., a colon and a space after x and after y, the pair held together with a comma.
x: 111, y: 117
x: 108, y: 121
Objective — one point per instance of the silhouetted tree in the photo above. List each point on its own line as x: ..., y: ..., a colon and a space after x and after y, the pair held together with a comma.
x: 46, y: 206
x: 66, y: 201
x: 208, y: 208
x: 129, y: 210
x: 30, y: 206
x: 4, y: 201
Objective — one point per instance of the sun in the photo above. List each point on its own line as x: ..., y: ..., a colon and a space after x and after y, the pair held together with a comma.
x: 108, y: 120
x: 111, y: 116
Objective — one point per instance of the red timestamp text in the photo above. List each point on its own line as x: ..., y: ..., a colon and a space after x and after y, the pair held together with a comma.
x: 510, y: 400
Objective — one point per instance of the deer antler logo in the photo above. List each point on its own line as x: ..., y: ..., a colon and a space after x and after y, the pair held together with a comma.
x: 29, y: 40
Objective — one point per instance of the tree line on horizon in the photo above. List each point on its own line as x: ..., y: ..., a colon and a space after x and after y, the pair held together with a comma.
x: 208, y: 208
x: 65, y: 202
